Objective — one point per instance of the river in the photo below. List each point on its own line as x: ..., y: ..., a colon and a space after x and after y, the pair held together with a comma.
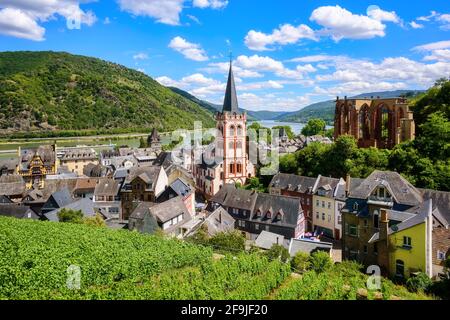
x: 9, y: 149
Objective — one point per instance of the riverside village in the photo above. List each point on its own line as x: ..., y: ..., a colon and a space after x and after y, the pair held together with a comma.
x: 207, y: 186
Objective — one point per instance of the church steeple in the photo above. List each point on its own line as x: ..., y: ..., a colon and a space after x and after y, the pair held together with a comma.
x: 230, y: 103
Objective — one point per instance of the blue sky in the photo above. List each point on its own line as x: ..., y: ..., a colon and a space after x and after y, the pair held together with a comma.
x: 287, y: 53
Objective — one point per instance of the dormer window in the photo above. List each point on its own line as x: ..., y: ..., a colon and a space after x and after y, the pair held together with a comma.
x: 355, y: 206
x: 269, y: 214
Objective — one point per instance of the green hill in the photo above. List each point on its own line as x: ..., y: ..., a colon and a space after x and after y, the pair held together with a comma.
x: 35, y: 257
x: 325, y: 109
x: 48, y: 91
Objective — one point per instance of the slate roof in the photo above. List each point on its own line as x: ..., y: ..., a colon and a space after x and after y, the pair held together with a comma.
x: 419, y: 217
x: 327, y: 184
x: 441, y: 204
x: 148, y: 174
x: 85, y: 184
x: 85, y: 205
x: 17, y: 211
x: 107, y: 187
x: 79, y: 154
x: 230, y: 103
x: 402, y: 191
x: 230, y: 196
x: 308, y: 246
x: 288, y: 206
x: 169, y: 209
x: 9, y: 164
x: 293, y: 182
x: 12, y: 185
x: 62, y: 197
x: 5, y: 199
x: 95, y: 170
x: 219, y: 221
x: 45, y: 152
x: 266, y: 240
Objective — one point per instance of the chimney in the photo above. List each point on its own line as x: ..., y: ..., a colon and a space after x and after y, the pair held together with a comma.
x: 278, y: 240
x: 220, y: 217
x: 347, y: 185
x: 384, y: 225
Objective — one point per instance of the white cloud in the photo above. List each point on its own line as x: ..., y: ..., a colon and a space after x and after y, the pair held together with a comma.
x: 223, y: 67
x: 140, y: 56
x: 285, y: 34
x: 376, y: 13
x: 193, y: 18
x: 433, y: 14
x: 433, y: 46
x: 14, y: 22
x: 440, y: 55
x: 164, y: 11
x: 358, y: 87
x: 168, y: 82
x: 313, y: 58
x: 22, y: 18
x: 416, y: 25
x: 190, y: 50
x: 443, y: 19
x: 340, y: 23
x: 214, y: 4
x: 107, y: 20
x: 199, y: 79
x: 270, y: 84
x: 272, y: 102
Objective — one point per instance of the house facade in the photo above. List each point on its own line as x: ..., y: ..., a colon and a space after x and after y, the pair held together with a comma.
x: 75, y: 159
x: 36, y: 163
x: 296, y: 186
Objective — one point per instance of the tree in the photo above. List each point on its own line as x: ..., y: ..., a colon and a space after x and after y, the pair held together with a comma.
x: 434, y: 141
x: 287, y: 129
x: 255, y: 184
x: 320, y: 261
x: 288, y: 163
x: 313, y: 127
x: 97, y: 221
x: 259, y: 129
x: 228, y: 241
x: 71, y: 216
x: 300, y: 262
x: 420, y: 282
x: 278, y: 252
x: 142, y: 143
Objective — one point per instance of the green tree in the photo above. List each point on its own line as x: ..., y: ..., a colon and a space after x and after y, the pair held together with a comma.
x: 420, y: 282
x: 97, y: 221
x: 300, y: 262
x: 71, y: 216
x: 314, y: 127
x: 228, y: 241
x: 289, y: 132
x: 278, y: 252
x: 320, y: 261
x: 142, y: 143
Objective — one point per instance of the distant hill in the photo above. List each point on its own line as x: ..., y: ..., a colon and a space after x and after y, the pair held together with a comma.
x: 325, y: 109
x: 49, y: 91
x: 251, y: 115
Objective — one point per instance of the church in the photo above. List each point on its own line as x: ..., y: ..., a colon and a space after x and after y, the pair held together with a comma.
x: 230, y: 150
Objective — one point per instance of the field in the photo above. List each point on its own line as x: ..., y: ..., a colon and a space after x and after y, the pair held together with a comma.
x: 35, y: 257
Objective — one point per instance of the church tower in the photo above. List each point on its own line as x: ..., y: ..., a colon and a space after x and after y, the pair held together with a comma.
x: 231, y: 143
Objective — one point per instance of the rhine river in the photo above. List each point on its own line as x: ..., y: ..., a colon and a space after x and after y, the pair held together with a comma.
x: 9, y: 149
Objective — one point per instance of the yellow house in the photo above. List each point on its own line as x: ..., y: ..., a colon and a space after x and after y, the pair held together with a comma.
x: 75, y: 159
x: 36, y: 163
x: 409, y: 246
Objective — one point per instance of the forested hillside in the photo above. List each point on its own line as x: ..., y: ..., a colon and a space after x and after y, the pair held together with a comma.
x: 43, y: 91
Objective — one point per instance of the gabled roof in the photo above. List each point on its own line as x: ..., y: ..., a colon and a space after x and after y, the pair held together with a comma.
x: 5, y: 199
x: 441, y: 204
x: 85, y: 184
x: 327, y: 184
x: 402, y: 191
x: 293, y: 182
x: 62, y: 197
x: 219, y: 221
x: 180, y: 187
x: 169, y: 209
x: 230, y: 196
x: 308, y: 246
x: 17, y: 211
x: 9, y: 164
x: 11, y: 185
x: 230, y: 103
x: 148, y: 174
x: 85, y: 205
x: 266, y: 240
x: 107, y: 187
x: 289, y: 207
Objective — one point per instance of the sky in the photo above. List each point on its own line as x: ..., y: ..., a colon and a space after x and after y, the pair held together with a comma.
x: 286, y: 54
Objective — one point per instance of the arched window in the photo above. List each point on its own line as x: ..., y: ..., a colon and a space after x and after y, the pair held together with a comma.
x: 232, y: 131
x: 376, y: 219
x: 363, y: 119
x: 239, y: 130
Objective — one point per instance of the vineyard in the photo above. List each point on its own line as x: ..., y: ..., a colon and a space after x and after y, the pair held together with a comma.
x: 35, y: 256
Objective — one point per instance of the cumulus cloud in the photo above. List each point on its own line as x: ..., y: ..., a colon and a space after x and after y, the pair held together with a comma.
x: 214, y: 4
x: 435, y: 50
x: 376, y: 13
x: 223, y: 67
x: 442, y: 19
x: 285, y: 34
x: 22, y: 18
x: 16, y: 23
x: 340, y: 23
x: 189, y: 50
x: 433, y: 46
x: 272, y: 102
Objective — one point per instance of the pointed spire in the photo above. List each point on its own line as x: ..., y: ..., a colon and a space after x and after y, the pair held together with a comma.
x: 230, y: 103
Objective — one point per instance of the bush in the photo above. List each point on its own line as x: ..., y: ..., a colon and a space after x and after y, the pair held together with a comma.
x: 420, y: 282
x: 300, y: 262
x: 320, y: 261
x: 278, y: 252
x: 72, y: 216
x: 228, y: 241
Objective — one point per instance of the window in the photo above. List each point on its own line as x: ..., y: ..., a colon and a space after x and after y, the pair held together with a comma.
x: 329, y: 217
x: 317, y: 215
x: 323, y: 204
x: 353, y: 230
x: 256, y: 226
x: 317, y: 202
x: 365, y: 249
x: 376, y: 219
x: 307, y: 201
x: 340, y: 206
x: 407, y: 242
x: 365, y: 223
x: 355, y: 206
x: 375, y: 248
x: 400, y: 268
x: 339, y: 219
x: 323, y: 216
x: 329, y: 205
x: 441, y: 255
